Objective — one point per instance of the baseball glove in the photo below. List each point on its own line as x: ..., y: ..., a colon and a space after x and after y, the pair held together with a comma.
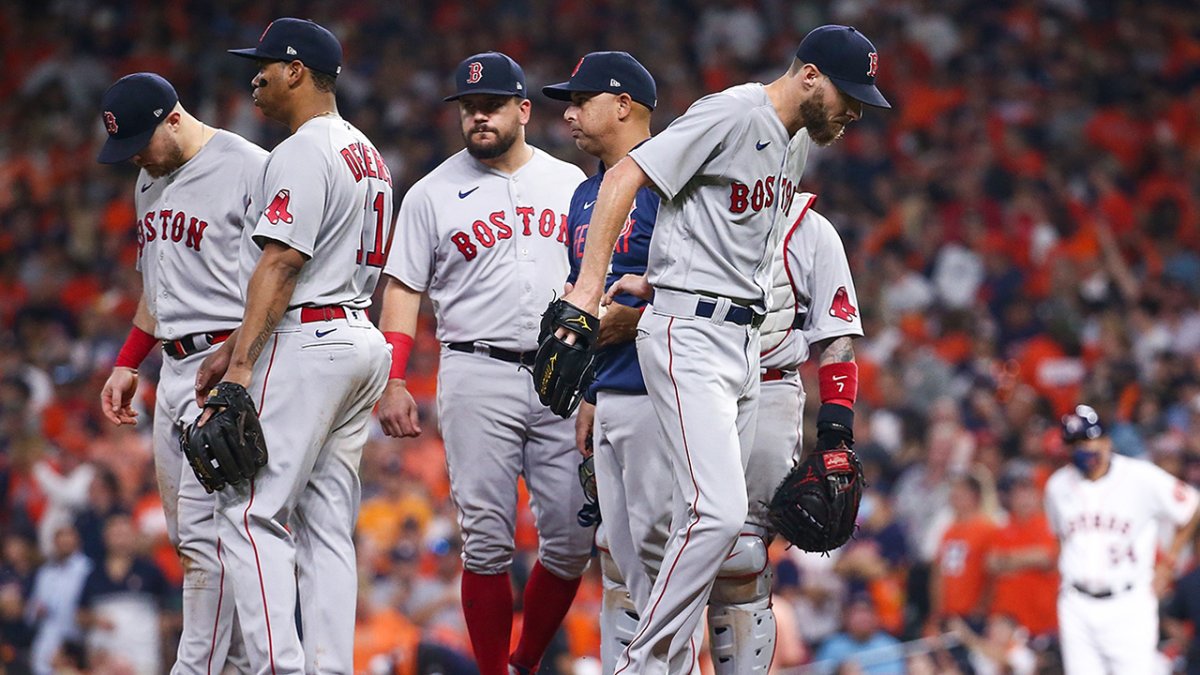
x: 589, y: 514
x: 816, y: 505
x: 229, y: 449
x: 562, y: 372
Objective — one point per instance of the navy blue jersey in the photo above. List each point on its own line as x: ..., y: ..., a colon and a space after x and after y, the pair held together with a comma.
x: 617, y: 366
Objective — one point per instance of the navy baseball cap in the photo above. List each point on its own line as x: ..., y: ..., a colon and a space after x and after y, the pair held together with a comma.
x: 133, y: 107
x: 1081, y: 425
x: 610, y: 72
x: 847, y: 58
x: 488, y: 73
x: 302, y: 40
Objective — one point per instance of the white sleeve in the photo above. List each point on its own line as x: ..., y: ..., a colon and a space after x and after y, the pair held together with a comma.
x: 414, y: 241
x: 818, y: 270
x: 295, y: 186
x: 693, y: 140
x: 1173, y: 499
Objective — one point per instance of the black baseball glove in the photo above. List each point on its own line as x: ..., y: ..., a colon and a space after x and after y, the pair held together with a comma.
x: 816, y: 505
x: 562, y: 372
x: 229, y: 449
x: 589, y: 514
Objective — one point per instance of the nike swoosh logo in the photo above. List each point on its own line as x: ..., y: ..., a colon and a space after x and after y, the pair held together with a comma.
x: 323, y: 333
x: 588, y: 205
x: 463, y: 195
x: 146, y: 186
x: 839, y: 378
x: 761, y: 144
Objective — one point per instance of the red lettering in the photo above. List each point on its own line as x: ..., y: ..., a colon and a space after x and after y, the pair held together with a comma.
x: 757, y: 197
x: 465, y: 247
x: 738, y: 194
x: 195, y: 233
x: 526, y: 213
x: 368, y: 163
x: 546, y: 223
x: 580, y: 239
x: 770, y: 191
x: 141, y: 238
x: 148, y: 222
x: 484, y: 234
x: 562, y: 230
x: 177, y: 225
x: 164, y: 221
x: 354, y: 168
x: 381, y: 168
x: 503, y: 231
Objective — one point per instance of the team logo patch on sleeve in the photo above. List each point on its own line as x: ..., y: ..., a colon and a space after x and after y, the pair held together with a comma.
x: 278, y: 209
x: 841, y: 308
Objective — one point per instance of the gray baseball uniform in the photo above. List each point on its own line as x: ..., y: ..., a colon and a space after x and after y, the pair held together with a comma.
x: 726, y: 170
x: 189, y: 224
x: 489, y: 248
x: 327, y: 194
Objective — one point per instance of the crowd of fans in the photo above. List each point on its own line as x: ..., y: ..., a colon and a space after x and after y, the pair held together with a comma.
x: 1023, y: 230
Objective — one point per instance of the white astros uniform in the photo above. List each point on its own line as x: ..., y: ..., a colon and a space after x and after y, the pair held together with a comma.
x: 1107, y: 529
x: 490, y: 250
x: 328, y: 195
x: 726, y: 173
x: 190, y: 224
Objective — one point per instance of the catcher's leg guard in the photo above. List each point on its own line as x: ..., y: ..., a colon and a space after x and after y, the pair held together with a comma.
x: 618, y: 616
x: 740, y: 621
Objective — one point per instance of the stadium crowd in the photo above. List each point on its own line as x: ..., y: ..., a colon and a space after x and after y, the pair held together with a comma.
x: 1024, y: 230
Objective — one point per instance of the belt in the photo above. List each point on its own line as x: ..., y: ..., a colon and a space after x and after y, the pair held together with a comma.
x: 508, y: 356
x: 326, y: 313
x: 742, y: 316
x: 194, y: 343
x: 773, y: 374
x: 1101, y: 594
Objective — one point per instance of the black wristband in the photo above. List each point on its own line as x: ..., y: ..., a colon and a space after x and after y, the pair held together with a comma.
x: 835, y: 420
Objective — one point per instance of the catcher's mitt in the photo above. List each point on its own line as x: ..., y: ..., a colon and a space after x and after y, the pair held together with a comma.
x: 817, y: 503
x: 229, y: 448
x: 589, y: 514
x: 562, y: 372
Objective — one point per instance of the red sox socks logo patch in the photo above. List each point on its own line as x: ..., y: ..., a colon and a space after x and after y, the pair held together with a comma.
x: 841, y: 307
x: 474, y: 72
x: 278, y: 210
x: 110, y: 123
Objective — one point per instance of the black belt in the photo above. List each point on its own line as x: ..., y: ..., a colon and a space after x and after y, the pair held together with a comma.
x: 742, y: 316
x: 194, y: 343
x: 1101, y: 594
x: 508, y: 356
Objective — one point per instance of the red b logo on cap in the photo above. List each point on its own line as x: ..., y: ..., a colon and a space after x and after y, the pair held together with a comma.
x: 110, y: 123
x: 474, y: 72
x: 874, y: 64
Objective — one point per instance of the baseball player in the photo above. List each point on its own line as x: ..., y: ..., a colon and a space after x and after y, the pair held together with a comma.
x: 484, y: 235
x: 812, y: 306
x: 1105, y: 510
x: 192, y: 200
x: 611, y: 98
x: 320, y: 245
x: 726, y: 170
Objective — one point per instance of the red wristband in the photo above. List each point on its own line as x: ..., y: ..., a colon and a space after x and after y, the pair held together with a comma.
x: 137, y: 345
x: 402, y: 344
x: 839, y: 383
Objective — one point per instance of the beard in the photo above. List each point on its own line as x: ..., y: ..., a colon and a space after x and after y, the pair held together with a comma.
x: 172, y: 160
x: 489, y: 149
x: 815, y: 116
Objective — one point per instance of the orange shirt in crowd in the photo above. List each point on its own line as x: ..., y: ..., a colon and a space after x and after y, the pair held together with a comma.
x: 385, y: 632
x: 1029, y: 596
x: 961, y: 562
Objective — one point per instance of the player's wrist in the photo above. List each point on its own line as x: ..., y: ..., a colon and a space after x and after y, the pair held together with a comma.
x: 839, y: 383
x: 402, y: 344
x: 137, y: 346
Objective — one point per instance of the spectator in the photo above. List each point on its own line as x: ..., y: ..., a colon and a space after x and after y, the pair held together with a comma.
x: 122, y: 602
x: 1023, y: 560
x: 16, y: 635
x: 435, y: 602
x: 54, y: 601
x: 958, y: 584
x: 861, y: 642
x: 1001, y: 650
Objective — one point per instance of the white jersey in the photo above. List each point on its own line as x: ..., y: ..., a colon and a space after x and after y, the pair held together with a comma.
x: 726, y: 170
x: 326, y: 193
x: 1108, y: 527
x: 818, y: 284
x: 189, y: 222
x: 488, y: 247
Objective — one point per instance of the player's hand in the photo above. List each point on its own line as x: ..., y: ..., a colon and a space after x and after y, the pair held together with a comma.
x: 212, y: 369
x: 633, y: 284
x: 584, y: 424
x: 618, y: 324
x: 397, y: 411
x: 587, y: 302
x: 116, y: 399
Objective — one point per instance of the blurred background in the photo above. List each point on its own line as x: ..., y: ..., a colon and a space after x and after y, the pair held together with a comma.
x: 1023, y: 230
